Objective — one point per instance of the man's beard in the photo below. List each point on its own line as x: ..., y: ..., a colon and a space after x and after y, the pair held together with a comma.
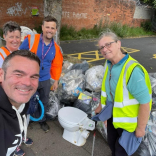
x: 49, y: 38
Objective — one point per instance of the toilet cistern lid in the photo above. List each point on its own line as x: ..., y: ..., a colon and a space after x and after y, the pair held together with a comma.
x: 71, y: 115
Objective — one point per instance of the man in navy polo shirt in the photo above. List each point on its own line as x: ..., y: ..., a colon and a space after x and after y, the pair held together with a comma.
x: 49, y: 53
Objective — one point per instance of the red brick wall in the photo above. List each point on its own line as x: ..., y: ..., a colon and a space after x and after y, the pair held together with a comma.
x: 87, y: 13
x: 20, y: 11
x: 137, y: 22
x: 76, y: 13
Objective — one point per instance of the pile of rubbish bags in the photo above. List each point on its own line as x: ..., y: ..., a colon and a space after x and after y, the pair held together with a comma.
x: 79, y: 86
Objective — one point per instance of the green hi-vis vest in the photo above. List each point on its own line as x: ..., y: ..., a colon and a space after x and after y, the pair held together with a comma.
x: 126, y: 107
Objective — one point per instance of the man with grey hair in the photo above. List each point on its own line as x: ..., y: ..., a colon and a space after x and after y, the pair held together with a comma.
x: 18, y: 82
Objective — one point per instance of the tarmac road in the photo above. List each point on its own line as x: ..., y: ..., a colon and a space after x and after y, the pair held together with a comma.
x: 142, y: 49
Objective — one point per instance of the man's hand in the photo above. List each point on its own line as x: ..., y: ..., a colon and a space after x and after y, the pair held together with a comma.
x: 55, y: 85
x: 139, y: 132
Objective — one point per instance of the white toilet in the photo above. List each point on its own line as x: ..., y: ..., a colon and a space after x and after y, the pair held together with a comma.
x: 75, y: 123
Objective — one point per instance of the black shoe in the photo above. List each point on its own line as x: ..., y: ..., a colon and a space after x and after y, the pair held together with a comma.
x: 19, y: 152
x: 44, y: 126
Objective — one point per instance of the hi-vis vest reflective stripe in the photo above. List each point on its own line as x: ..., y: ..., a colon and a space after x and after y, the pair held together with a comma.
x: 126, y: 107
x: 4, y: 52
x: 33, y: 42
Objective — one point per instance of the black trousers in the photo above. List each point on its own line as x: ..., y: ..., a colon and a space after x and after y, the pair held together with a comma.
x: 43, y: 90
x: 113, y: 136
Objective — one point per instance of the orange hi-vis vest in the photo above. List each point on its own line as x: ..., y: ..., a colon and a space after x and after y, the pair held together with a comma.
x: 56, y: 64
x: 4, y: 52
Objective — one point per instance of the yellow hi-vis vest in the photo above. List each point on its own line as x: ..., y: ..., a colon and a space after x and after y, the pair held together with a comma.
x: 126, y: 107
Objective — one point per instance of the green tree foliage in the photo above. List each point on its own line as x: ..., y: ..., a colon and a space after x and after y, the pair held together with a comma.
x: 150, y: 2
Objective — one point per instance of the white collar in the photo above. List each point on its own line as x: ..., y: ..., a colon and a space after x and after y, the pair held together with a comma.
x: 20, y: 109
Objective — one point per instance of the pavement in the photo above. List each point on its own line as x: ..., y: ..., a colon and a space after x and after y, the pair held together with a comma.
x: 52, y: 142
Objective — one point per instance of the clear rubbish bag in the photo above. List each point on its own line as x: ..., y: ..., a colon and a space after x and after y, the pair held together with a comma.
x: 102, y: 129
x: 152, y: 120
x: 94, y: 77
x: 142, y: 150
x: 149, y: 139
x: 153, y: 104
x: 153, y: 82
x: 53, y: 106
x: 96, y: 98
x: 81, y: 66
x: 72, y: 83
x: 67, y: 66
x: 153, y: 85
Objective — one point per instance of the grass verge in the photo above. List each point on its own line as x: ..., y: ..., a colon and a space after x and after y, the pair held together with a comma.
x: 69, y: 33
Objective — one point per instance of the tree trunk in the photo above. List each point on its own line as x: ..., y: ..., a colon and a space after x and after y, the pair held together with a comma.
x: 54, y: 8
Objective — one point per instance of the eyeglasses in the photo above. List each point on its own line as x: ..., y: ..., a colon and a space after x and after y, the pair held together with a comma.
x: 107, y: 45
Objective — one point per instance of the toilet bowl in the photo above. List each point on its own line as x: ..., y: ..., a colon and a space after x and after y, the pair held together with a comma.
x: 75, y: 123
